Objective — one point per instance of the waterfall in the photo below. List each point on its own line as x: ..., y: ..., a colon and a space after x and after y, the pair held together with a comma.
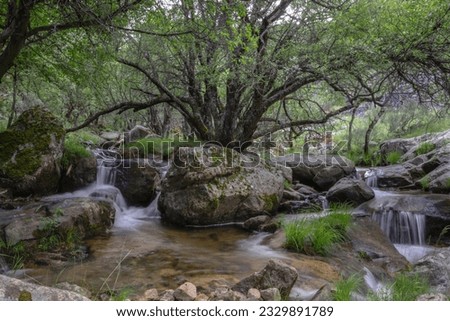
x: 402, y: 227
x: 371, y: 178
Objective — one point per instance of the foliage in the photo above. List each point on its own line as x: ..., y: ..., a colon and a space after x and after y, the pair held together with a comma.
x: 15, y: 254
x: 425, y: 183
x: 393, y: 157
x: 407, y: 287
x: 158, y: 146
x: 425, y: 148
x: 345, y: 288
x: 74, y: 148
x: 317, y: 236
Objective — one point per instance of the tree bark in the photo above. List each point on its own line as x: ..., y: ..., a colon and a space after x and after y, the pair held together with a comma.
x: 370, y: 129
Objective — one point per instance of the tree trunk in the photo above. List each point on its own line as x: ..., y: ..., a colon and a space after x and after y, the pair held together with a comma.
x: 350, y: 131
x: 14, y: 100
x: 371, y: 128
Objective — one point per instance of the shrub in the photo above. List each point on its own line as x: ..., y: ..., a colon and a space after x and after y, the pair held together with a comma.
x: 393, y: 157
x: 345, y: 288
x: 317, y: 236
x: 425, y: 148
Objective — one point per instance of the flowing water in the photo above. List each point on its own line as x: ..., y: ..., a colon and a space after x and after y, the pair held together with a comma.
x: 141, y: 252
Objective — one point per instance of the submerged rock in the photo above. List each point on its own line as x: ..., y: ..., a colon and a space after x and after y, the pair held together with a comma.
x: 215, y: 185
x: 12, y: 289
x: 31, y: 150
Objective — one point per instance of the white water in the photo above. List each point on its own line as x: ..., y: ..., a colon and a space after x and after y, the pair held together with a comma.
x: 413, y: 253
x: 371, y: 178
x: 376, y: 286
x: 402, y: 227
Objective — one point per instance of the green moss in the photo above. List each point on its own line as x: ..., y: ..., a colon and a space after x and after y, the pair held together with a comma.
x: 26, y: 140
x: 74, y: 150
x: 25, y: 296
x: 270, y: 202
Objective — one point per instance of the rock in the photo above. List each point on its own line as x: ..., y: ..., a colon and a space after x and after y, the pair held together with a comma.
x: 253, y: 294
x: 350, y: 190
x: 271, y: 294
x: 393, y: 176
x: 167, y: 296
x: 83, y: 216
x: 111, y: 136
x: 255, y: 223
x: 214, y: 185
x: 151, y: 295
x: 78, y: 174
x: 185, y: 292
x: 436, y: 269
x: 399, y: 145
x: 138, y: 180
x: 304, y: 189
x: 11, y: 289
x: 202, y: 297
x: 439, y: 179
x: 74, y: 288
x: 136, y: 133
x: 227, y: 294
x: 432, y: 297
x: 275, y: 274
x: 31, y: 152
x: 318, y: 171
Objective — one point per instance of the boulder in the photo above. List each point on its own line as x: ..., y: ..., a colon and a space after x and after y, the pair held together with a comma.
x: 276, y: 274
x: 83, y: 216
x: 167, y: 296
x: 136, y: 133
x: 31, y: 151
x: 254, y: 223
x: 432, y: 297
x: 271, y: 294
x: 78, y: 174
x: 151, y: 295
x: 351, y: 190
x: 318, y: 171
x: 436, y: 269
x: 398, y: 145
x: 138, y: 180
x: 393, y: 176
x: 215, y: 185
x: 12, y: 289
x: 253, y: 294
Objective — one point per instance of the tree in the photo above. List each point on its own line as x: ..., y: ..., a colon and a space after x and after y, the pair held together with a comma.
x: 24, y: 22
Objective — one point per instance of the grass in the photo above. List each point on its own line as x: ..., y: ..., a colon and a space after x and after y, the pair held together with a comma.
x: 425, y: 183
x: 287, y: 184
x: 408, y: 287
x: 317, y: 236
x: 73, y: 150
x: 345, y: 288
x: 373, y: 158
x: 393, y: 157
x: 425, y: 148
x: 15, y: 255
x: 159, y: 146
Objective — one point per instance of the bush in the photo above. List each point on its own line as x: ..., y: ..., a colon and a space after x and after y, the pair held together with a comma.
x: 317, y: 236
x: 393, y: 157
x: 345, y: 288
x: 425, y: 148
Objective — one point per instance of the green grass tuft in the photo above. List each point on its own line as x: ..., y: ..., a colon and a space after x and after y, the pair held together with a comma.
x: 425, y: 148
x: 73, y: 150
x: 408, y: 287
x: 317, y: 236
x: 393, y: 157
x: 345, y: 288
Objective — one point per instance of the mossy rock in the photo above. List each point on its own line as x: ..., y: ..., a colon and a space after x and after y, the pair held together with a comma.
x: 31, y: 150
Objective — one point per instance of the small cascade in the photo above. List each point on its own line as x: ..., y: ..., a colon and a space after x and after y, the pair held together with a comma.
x: 325, y: 204
x: 371, y: 178
x: 106, y: 167
x: 380, y: 290
x: 402, y: 227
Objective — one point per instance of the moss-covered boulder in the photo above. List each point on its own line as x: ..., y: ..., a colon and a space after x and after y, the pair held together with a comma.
x: 217, y: 185
x: 31, y: 150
